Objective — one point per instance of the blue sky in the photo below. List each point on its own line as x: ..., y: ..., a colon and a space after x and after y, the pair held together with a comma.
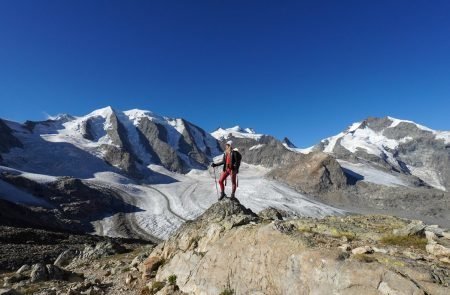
x: 302, y: 69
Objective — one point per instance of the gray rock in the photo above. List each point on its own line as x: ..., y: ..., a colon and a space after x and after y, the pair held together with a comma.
x: 138, y: 259
x: 24, y: 268
x: 362, y: 250
x: 9, y: 292
x: 38, y: 273
x: 311, y: 173
x: 55, y: 273
x: 270, y: 214
x: 65, y: 258
x: 416, y: 227
x: 101, y: 249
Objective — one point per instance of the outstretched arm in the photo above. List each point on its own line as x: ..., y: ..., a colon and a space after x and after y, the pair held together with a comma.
x: 218, y: 164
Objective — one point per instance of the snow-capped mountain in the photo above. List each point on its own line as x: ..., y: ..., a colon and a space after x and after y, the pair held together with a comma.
x: 128, y: 174
x: 392, y: 144
x: 237, y: 132
x: 107, y: 140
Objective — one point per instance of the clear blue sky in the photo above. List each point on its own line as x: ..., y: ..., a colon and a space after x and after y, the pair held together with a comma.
x: 302, y: 69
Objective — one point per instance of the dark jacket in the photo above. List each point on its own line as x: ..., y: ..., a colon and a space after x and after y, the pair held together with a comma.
x: 235, y: 161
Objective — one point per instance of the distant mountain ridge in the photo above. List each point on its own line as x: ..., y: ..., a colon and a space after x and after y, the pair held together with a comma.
x: 129, y: 141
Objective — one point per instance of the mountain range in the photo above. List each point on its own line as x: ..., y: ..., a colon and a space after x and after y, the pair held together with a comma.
x: 142, y: 175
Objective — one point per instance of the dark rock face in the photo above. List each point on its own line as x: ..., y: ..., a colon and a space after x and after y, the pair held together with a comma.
x: 287, y: 142
x: 177, y: 158
x: 155, y: 135
x: 7, y: 139
x: 189, y: 147
x: 120, y: 154
x: 270, y: 153
x: 312, y: 173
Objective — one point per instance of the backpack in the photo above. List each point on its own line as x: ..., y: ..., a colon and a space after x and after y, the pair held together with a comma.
x: 238, y: 158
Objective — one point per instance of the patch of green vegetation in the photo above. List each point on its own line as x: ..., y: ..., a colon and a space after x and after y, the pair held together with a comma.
x: 227, y: 291
x: 126, y: 269
x: 405, y: 241
x: 156, y: 287
x: 305, y: 229
x: 390, y: 262
x: 172, y: 280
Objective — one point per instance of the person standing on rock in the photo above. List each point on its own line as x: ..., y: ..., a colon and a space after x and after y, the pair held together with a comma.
x: 231, y: 162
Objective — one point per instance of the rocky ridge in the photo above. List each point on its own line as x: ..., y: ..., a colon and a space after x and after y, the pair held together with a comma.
x: 230, y: 249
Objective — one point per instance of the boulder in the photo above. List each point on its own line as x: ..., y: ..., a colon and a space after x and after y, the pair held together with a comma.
x: 38, y: 273
x: 150, y: 265
x: 416, y: 227
x: 312, y: 173
x: 65, y: 258
x: 101, y: 249
x: 24, y: 268
x: 270, y: 214
x: 362, y: 250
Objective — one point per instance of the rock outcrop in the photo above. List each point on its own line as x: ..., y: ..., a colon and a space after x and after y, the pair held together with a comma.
x: 312, y: 173
x: 230, y: 249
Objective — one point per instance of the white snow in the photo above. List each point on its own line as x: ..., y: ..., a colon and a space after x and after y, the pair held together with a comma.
x: 445, y: 135
x: 395, y: 122
x: 256, y: 147
x: 40, y: 178
x: 428, y: 175
x: 373, y: 175
x: 237, y: 132
x: 300, y: 150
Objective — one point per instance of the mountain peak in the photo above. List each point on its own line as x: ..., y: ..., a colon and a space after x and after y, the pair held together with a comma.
x: 103, y: 112
x: 288, y: 143
x: 236, y: 131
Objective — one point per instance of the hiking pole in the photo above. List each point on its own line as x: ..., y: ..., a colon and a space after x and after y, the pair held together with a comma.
x: 215, y: 180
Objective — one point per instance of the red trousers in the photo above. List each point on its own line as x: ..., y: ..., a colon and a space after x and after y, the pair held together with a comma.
x: 224, y: 176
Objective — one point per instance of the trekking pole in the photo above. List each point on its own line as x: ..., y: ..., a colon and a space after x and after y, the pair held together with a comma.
x: 215, y: 180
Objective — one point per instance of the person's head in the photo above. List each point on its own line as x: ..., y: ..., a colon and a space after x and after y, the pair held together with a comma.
x: 228, y: 145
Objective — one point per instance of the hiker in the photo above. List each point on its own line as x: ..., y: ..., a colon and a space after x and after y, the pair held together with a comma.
x: 231, y: 161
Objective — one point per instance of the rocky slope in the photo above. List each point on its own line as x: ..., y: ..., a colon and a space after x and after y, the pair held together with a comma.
x: 230, y: 249
x: 64, y: 204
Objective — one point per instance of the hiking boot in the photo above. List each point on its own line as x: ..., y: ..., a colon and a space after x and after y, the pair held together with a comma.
x: 233, y: 197
x: 222, y: 195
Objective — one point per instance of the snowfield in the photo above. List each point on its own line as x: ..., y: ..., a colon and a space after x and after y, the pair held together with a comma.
x: 371, y: 174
